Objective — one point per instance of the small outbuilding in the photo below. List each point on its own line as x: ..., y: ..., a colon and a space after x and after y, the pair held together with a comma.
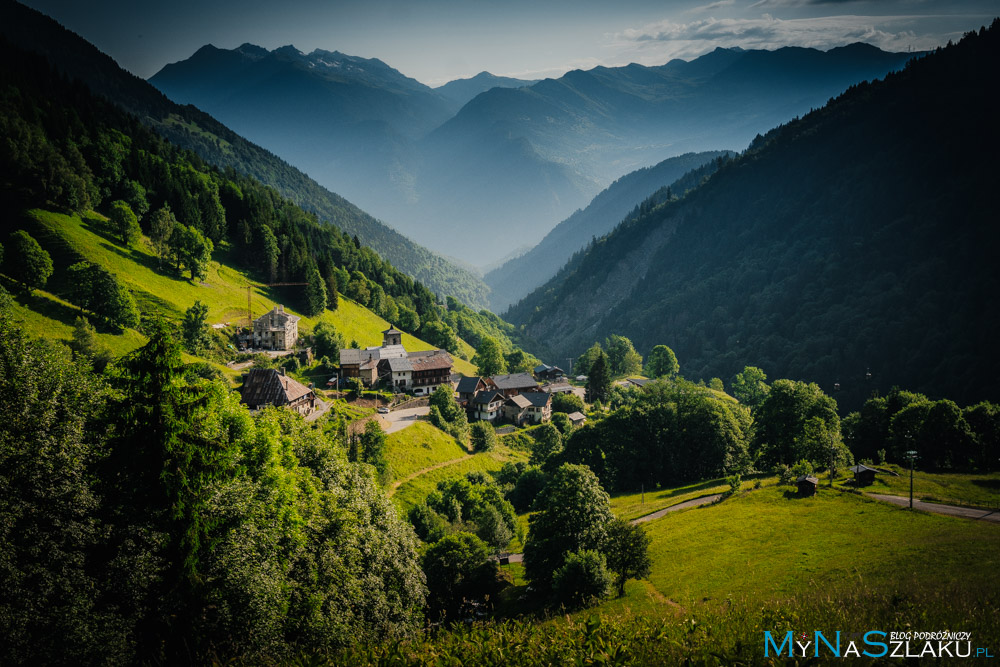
x: 863, y: 475
x: 807, y: 485
x: 577, y: 418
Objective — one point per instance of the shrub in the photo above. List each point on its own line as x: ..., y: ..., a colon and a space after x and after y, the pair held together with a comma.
x: 784, y: 473
x: 582, y: 580
x: 801, y: 468
x: 484, y: 437
x: 734, y: 481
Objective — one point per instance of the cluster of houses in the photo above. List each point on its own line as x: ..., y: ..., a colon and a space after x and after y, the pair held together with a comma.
x: 515, y: 398
x: 417, y: 372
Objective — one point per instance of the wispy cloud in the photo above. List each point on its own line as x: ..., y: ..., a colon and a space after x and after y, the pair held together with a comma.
x: 710, y: 7
x: 668, y: 39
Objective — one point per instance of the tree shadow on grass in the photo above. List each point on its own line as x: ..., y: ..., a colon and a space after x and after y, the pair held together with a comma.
x: 991, y: 484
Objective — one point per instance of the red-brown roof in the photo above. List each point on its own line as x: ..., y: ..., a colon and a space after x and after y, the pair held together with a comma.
x: 430, y: 362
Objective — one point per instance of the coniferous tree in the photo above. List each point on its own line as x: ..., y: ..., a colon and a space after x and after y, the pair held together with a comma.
x: 599, y: 379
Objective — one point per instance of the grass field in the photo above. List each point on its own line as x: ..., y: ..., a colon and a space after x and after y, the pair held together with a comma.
x: 635, y: 505
x: 414, y: 491
x: 769, y: 543
x: 68, y: 238
x: 419, y: 446
x: 949, y: 488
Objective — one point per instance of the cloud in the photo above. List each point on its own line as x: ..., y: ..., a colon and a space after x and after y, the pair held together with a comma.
x: 656, y: 42
x: 712, y: 6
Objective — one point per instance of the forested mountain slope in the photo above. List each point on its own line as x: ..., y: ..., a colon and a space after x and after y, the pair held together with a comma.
x: 517, y: 277
x: 862, y: 236
x: 190, y: 128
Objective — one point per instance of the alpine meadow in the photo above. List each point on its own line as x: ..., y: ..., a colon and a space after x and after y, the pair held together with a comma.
x: 377, y: 333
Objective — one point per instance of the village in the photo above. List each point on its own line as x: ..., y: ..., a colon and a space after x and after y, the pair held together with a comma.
x: 517, y: 399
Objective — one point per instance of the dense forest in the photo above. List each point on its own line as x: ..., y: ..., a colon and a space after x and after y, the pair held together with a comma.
x: 147, y: 517
x: 187, y: 127
x: 517, y: 277
x: 65, y: 149
x: 853, y: 247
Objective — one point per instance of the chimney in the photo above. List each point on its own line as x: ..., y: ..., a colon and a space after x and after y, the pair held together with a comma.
x: 281, y: 370
x: 280, y: 308
x: 312, y: 385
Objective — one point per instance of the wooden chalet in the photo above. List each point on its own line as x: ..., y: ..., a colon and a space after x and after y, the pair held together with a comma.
x: 268, y: 386
x: 577, y: 419
x: 863, y: 475
x: 545, y: 372
x: 514, y: 384
x: 468, y: 387
x: 431, y: 369
x: 807, y: 485
x: 488, y: 406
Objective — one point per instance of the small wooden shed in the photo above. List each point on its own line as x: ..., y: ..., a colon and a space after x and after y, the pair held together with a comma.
x: 863, y: 475
x: 807, y: 485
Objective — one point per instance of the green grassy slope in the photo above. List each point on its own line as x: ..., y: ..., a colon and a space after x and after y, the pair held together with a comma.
x: 949, y: 488
x: 70, y: 237
x: 418, y: 447
x: 769, y: 544
x: 414, y: 491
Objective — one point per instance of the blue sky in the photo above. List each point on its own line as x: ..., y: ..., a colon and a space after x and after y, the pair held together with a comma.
x: 435, y: 41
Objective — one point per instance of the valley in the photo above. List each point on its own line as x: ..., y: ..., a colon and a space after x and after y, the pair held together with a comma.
x: 244, y: 420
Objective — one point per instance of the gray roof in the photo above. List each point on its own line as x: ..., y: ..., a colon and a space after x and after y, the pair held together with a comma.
x: 807, y: 478
x: 514, y: 381
x: 351, y: 356
x: 399, y: 365
x: 861, y: 468
x: 640, y: 382
x: 538, y: 398
x: 520, y: 401
x: 266, y: 386
x: 468, y: 385
x: 487, y: 397
x: 577, y: 416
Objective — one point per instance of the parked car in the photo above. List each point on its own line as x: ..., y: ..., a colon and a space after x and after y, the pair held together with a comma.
x: 383, y: 410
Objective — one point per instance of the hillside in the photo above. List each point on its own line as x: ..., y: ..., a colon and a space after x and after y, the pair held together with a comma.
x: 856, y: 239
x: 71, y: 238
x: 513, y: 280
x: 190, y: 128
x: 514, y: 157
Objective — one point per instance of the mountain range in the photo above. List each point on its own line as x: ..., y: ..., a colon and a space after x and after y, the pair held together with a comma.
x: 859, y: 239
x: 514, y: 157
x: 216, y: 143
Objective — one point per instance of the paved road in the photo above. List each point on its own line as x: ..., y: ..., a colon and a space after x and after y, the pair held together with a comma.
x: 951, y: 510
x: 696, y: 502
x: 400, y: 419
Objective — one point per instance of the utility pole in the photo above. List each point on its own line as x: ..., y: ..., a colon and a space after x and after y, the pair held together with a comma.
x: 912, y: 456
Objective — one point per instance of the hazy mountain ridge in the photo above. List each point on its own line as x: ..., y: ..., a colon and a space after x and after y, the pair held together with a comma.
x: 851, y: 239
x: 461, y: 91
x: 190, y: 128
x: 518, y: 158
x: 519, y: 276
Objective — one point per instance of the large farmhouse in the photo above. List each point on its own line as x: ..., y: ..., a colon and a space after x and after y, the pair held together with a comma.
x: 276, y: 330
x: 267, y: 386
x: 419, y: 372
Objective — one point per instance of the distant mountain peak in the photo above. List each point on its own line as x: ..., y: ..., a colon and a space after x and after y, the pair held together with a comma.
x: 251, y: 50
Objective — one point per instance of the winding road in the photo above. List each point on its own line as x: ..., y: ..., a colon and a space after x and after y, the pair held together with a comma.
x: 937, y: 508
x: 694, y: 502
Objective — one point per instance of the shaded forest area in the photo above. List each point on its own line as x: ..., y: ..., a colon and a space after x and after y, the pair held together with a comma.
x: 860, y: 238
